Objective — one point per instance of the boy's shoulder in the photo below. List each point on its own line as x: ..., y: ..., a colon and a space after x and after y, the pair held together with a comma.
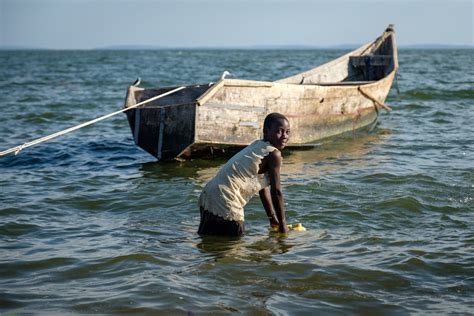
x: 274, y: 157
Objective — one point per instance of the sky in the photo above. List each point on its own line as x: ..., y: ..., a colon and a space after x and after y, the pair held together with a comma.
x: 88, y: 24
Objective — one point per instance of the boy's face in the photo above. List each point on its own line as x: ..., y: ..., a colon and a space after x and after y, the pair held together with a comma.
x: 278, y: 134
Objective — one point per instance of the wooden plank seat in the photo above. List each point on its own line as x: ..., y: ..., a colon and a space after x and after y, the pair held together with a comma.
x: 370, y: 60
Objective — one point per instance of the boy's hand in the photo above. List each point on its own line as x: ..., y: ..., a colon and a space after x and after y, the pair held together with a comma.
x: 273, y: 222
x: 283, y: 229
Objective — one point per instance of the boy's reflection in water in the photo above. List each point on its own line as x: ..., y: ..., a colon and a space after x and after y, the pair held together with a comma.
x: 237, y: 248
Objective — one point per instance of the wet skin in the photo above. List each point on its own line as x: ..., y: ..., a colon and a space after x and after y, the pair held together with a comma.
x: 272, y: 197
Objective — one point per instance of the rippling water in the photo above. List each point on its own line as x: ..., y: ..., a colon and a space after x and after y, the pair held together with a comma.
x: 91, y: 224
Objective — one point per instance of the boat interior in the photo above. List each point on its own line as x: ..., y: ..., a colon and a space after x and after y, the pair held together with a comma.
x: 371, y: 62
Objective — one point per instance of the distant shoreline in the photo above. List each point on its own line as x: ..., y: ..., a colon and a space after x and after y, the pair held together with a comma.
x: 257, y: 47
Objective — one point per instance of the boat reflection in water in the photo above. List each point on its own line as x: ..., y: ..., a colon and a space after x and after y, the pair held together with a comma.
x: 339, y: 153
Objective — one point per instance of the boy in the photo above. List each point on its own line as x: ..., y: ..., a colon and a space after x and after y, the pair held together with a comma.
x: 256, y: 168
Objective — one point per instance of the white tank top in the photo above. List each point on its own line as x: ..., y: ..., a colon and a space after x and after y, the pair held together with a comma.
x: 236, y: 182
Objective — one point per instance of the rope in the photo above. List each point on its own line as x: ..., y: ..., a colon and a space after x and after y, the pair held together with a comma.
x: 398, y: 87
x: 368, y: 96
x: 19, y: 148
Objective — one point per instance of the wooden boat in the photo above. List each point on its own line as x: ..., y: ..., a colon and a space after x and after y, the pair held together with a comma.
x: 342, y: 95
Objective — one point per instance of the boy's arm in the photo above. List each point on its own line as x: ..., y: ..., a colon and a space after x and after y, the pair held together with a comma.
x: 276, y: 193
x: 267, y: 205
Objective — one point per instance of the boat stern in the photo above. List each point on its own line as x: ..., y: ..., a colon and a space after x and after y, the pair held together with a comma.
x: 164, y: 127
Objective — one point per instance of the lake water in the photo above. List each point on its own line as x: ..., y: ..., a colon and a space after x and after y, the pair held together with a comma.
x: 89, y: 223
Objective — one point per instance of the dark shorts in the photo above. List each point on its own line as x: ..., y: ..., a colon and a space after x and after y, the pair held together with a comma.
x: 215, y: 225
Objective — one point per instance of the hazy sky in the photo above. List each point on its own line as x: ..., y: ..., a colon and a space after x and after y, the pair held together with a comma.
x: 187, y: 23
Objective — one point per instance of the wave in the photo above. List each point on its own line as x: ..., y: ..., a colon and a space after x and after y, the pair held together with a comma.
x: 439, y: 94
x: 115, y: 266
x: 14, y: 229
x: 389, y: 178
x: 408, y: 203
x: 21, y: 267
x: 413, y: 106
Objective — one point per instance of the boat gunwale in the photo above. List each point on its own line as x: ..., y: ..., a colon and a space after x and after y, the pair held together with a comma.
x: 387, y: 35
x: 209, y: 93
x: 201, y: 101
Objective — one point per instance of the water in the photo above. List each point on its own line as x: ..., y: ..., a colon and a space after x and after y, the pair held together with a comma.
x: 89, y: 223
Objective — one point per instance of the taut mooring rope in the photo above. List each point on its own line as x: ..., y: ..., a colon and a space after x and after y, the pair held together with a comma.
x: 377, y: 103
x: 19, y: 148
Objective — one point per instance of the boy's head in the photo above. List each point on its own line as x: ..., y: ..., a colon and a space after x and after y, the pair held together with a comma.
x: 276, y: 130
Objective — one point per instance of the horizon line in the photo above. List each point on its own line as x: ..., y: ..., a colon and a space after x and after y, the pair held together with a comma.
x: 243, y: 47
